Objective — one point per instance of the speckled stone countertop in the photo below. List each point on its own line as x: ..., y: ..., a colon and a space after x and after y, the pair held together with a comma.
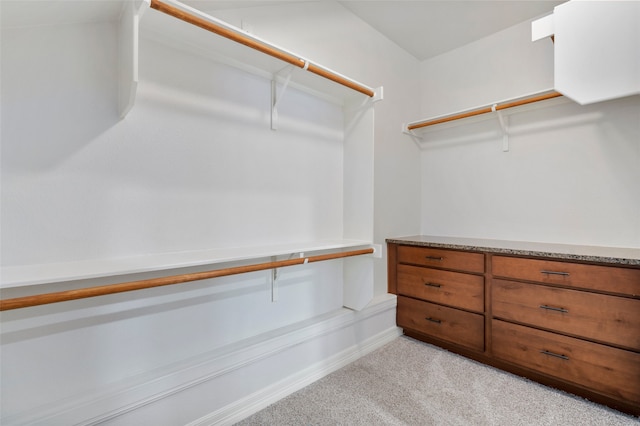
x: 600, y: 254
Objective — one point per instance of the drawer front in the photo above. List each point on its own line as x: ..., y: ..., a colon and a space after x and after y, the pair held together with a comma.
x: 448, y: 288
x: 608, y: 319
x: 612, y: 279
x: 441, y: 258
x: 463, y: 328
x: 615, y: 372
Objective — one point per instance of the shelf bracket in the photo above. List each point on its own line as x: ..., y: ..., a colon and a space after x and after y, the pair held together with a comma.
x: 356, y: 110
x: 276, y: 96
x: 418, y: 140
x: 378, y: 96
x: 504, y: 122
x: 274, y: 282
x: 275, y: 275
x: 129, y: 29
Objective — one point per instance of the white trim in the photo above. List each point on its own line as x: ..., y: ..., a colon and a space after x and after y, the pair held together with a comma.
x: 154, y: 386
x: 245, y: 407
x: 542, y: 28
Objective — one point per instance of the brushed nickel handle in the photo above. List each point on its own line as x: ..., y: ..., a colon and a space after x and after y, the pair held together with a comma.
x: 564, y: 274
x: 437, y: 321
x: 553, y: 308
x: 439, y: 259
x: 428, y: 284
x: 553, y: 354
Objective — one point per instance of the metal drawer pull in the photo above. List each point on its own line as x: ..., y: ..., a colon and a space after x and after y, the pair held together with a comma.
x: 433, y: 285
x: 566, y: 358
x: 437, y: 321
x: 553, y: 308
x: 439, y: 259
x: 564, y: 274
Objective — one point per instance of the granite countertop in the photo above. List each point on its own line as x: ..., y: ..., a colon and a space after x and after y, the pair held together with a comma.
x: 600, y: 254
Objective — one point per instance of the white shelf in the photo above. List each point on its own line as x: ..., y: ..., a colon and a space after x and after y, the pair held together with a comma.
x: 483, y: 117
x: 136, y: 21
x: 419, y: 135
x: 21, y: 276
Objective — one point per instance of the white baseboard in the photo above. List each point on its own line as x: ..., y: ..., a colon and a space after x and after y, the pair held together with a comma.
x: 350, y: 334
x: 253, y: 403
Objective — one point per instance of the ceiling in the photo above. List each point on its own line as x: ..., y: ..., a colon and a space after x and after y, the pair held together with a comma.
x: 424, y: 28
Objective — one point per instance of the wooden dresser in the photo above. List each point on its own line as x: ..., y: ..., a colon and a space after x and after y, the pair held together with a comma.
x: 565, y: 316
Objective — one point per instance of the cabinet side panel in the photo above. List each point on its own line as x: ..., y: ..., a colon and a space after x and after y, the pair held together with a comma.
x: 392, y: 267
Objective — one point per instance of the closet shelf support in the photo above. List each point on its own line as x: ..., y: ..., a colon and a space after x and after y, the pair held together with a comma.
x: 275, y: 275
x: 129, y: 30
x: 276, y: 96
x: 416, y: 138
x: 503, y: 125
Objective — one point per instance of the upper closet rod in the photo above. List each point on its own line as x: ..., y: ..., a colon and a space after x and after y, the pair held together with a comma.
x: 216, y: 26
x: 483, y: 110
x: 63, y: 296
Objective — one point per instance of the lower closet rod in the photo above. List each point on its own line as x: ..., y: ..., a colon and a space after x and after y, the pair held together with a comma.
x: 63, y: 296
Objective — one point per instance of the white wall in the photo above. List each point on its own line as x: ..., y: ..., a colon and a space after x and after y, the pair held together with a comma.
x: 194, y: 155
x: 571, y: 172
x: 175, y: 174
x: 196, y: 152
x: 357, y: 50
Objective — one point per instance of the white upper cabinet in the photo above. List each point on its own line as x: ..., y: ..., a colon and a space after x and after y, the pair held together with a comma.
x: 596, y: 49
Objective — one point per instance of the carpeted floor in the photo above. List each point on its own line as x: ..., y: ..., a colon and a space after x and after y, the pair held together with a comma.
x: 408, y: 382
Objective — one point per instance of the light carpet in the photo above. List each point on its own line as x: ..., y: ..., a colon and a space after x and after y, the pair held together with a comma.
x: 408, y: 382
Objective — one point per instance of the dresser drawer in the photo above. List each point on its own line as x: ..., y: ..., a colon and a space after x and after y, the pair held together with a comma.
x: 608, y: 319
x: 615, y: 372
x: 442, y: 258
x: 611, y: 279
x: 448, y: 288
x: 460, y: 327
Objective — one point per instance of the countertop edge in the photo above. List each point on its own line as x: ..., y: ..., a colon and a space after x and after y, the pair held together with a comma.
x: 558, y: 254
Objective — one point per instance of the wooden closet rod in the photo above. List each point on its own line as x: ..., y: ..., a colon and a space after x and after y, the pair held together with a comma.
x: 484, y: 110
x: 259, y: 45
x: 83, y: 293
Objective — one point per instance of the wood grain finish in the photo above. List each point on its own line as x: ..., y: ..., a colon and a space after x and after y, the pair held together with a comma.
x: 607, y: 319
x: 571, y: 325
x: 615, y: 372
x: 453, y: 325
x: 624, y: 281
x: 442, y: 258
x: 455, y: 289
x: 392, y: 268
